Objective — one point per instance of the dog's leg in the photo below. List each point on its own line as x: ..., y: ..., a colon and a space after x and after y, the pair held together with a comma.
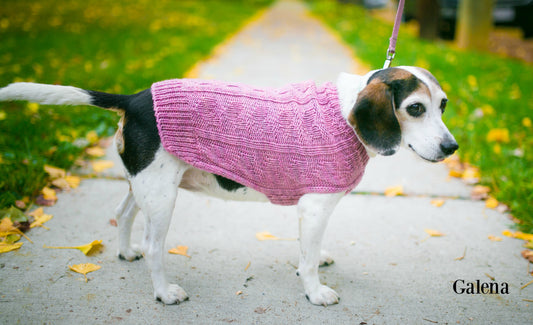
x: 155, y: 190
x: 126, y: 212
x: 313, y: 213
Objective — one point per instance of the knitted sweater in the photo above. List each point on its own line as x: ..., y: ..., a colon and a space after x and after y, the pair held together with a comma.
x: 282, y: 142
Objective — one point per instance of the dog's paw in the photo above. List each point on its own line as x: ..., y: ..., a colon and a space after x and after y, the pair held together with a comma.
x: 173, y: 294
x: 324, y: 296
x: 325, y: 259
x: 131, y: 254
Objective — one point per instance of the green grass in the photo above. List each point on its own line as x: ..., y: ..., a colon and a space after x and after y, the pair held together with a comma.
x: 486, y: 92
x: 117, y: 46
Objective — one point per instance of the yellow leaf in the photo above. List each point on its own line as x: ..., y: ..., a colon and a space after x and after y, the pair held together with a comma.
x: 92, y: 137
x: 265, y: 235
x: 39, y: 221
x: 518, y: 234
x: 87, y: 249
x: 433, y: 233
x: 179, y: 250
x: 101, y: 165
x: 495, y: 238
x: 394, y: 191
x: 73, y: 181
x: 61, y: 183
x: 526, y: 121
x: 470, y: 172
x: 49, y: 194
x: 7, y: 228
x: 84, y: 268
x: 455, y: 173
x: 491, y: 203
x: 3, y: 115
x: 95, y: 151
x: 54, y: 172
x: 437, y: 203
x: 4, y: 248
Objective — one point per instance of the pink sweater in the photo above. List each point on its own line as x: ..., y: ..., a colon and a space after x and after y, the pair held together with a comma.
x: 282, y: 142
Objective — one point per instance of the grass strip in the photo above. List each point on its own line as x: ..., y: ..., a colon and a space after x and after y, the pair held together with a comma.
x: 116, y: 46
x: 491, y: 106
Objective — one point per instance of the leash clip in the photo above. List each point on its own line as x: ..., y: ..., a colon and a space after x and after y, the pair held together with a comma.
x: 390, y: 57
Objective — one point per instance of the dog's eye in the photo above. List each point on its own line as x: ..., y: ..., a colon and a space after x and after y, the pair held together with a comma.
x: 416, y: 110
x: 443, y: 104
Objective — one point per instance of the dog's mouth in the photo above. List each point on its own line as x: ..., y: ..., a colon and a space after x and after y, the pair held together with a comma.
x: 433, y: 160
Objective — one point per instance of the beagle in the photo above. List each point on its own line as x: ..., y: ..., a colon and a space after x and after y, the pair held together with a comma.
x: 383, y: 110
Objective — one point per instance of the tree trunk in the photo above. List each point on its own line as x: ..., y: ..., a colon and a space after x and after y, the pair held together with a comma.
x: 474, y: 24
x: 427, y: 14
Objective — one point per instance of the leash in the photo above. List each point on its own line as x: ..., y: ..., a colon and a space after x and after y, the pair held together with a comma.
x: 391, y: 52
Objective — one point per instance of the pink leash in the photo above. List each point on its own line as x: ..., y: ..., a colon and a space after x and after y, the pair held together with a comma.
x: 391, y: 52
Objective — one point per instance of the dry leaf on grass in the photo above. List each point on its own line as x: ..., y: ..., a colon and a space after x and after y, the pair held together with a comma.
x: 95, y: 152
x: 394, y: 191
x: 92, y: 248
x: 101, y: 165
x: 55, y: 172
x: 49, y: 194
x: 84, y: 268
x: 179, y: 250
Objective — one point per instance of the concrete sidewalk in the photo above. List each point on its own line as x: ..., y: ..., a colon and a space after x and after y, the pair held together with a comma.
x: 386, y: 269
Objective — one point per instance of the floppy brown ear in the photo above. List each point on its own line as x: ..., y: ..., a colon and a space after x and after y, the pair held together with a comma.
x: 374, y: 120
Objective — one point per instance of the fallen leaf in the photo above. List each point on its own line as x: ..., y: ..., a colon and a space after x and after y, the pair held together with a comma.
x: 84, y: 268
x: 265, y: 235
x: 479, y: 192
x: 471, y: 175
x: 87, y: 249
x: 394, y: 191
x: 95, y: 151
x: 5, y: 247
x: 529, y: 245
x: 179, y: 250
x: 460, y: 258
x: 455, y: 173
x: 40, y: 220
x: 92, y: 137
x: 437, y: 203
x: 67, y: 182
x: 49, y: 194
x: 491, y: 203
x: 434, y: 233
x: 495, y: 238
x: 7, y: 228
x: 528, y: 255
x: 238, y: 293
x: 101, y: 165
x: 54, y: 172
x: 518, y: 234
x: 113, y: 222
x: 73, y: 181
x: 247, y: 266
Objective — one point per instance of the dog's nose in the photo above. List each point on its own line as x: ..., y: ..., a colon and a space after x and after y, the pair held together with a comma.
x: 449, y: 147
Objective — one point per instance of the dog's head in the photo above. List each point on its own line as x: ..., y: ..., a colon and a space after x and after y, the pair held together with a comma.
x: 403, y: 106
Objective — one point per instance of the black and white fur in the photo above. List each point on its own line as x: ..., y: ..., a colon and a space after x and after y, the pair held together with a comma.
x: 387, y: 109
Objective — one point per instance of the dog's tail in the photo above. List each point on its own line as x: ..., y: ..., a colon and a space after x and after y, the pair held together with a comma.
x: 62, y: 95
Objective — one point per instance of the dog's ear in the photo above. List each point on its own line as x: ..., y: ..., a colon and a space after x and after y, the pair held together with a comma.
x: 373, y: 116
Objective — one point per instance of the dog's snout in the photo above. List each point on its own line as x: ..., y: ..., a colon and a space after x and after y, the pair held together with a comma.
x: 449, y: 147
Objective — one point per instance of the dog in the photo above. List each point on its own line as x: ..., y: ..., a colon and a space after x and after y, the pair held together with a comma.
x: 373, y: 114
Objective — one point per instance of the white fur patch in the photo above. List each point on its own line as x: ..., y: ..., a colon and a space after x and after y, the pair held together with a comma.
x: 45, y: 94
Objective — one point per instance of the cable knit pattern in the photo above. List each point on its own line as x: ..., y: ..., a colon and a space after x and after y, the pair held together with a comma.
x: 282, y: 142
